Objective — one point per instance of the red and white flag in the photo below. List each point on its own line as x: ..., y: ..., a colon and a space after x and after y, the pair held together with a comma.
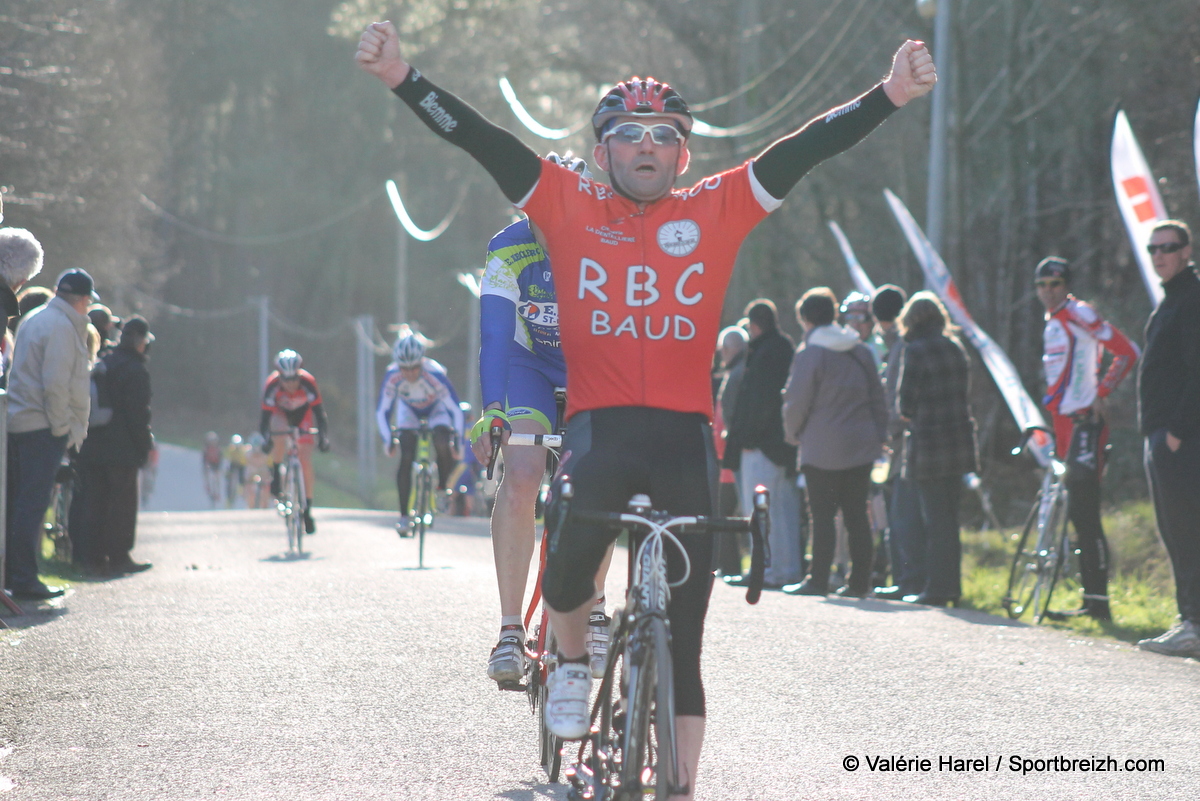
x: 1008, y: 381
x: 862, y: 282
x: 1137, y: 197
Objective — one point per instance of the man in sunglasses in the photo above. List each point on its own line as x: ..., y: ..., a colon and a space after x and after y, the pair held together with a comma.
x: 1169, y: 419
x: 1073, y: 341
x: 640, y: 270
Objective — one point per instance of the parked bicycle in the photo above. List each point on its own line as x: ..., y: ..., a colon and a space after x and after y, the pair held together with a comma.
x: 423, y: 505
x: 292, y: 495
x: 630, y: 752
x: 1044, y: 559
x: 58, y: 514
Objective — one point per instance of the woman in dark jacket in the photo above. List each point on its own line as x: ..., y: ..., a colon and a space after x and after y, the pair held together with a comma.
x: 940, y: 446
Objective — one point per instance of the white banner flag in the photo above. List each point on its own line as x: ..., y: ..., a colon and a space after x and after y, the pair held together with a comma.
x: 1137, y: 197
x: 1008, y: 381
x: 861, y: 281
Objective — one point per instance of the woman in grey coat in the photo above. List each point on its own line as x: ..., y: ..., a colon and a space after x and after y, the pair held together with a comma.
x: 833, y: 409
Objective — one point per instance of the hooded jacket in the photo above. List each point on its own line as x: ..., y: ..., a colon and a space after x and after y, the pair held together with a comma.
x: 833, y: 405
x: 126, y: 439
x: 48, y: 385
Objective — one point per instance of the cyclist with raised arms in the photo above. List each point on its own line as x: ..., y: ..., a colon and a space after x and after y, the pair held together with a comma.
x: 291, y: 399
x: 520, y: 366
x: 415, y: 388
x: 641, y: 271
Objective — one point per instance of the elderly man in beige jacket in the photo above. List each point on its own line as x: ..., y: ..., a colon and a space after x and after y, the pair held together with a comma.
x: 47, y: 413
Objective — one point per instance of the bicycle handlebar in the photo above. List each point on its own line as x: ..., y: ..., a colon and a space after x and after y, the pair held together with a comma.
x: 757, y: 525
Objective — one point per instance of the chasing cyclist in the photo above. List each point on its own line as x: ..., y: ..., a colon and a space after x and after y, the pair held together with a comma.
x: 291, y: 399
x: 1074, y: 339
x: 416, y: 388
x: 520, y: 366
x: 640, y: 271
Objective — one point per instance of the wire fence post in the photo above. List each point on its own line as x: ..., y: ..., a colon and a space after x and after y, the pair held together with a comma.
x: 365, y: 353
x: 264, y: 341
x: 9, y: 602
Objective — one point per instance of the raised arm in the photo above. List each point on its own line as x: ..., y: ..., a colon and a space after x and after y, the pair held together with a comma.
x: 781, y: 166
x: 513, y: 165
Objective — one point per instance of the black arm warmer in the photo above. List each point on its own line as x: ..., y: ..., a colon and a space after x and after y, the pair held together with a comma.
x: 781, y: 166
x: 322, y: 421
x: 512, y: 164
x: 264, y: 425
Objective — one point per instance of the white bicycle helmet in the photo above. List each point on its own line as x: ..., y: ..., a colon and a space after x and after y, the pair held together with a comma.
x: 409, y: 349
x: 571, y: 162
x: 289, y: 363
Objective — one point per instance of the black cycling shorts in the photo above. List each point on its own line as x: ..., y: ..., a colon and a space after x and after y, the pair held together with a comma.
x: 611, y: 455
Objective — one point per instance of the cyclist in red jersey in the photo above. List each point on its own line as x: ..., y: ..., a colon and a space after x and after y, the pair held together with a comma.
x: 291, y: 398
x: 640, y: 270
x: 1075, y: 338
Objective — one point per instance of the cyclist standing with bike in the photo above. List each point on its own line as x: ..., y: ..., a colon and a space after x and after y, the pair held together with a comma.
x: 416, y: 388
x: 641, y: 272
x: 520, y: 366
x: 1074, y: 339
x: 291, y: 399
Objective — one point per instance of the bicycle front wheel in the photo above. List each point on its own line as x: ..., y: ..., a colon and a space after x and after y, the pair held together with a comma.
x: 1061, y: 550
x: 1026, y: 564
x: 550, y: 745
x: 664, y: 761
x: 639, y: 692
x: 295, y: 491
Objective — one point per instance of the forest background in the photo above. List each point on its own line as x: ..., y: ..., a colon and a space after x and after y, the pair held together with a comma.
x: 196, y: 154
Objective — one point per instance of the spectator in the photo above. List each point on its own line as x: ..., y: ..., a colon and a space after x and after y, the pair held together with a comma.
x: 47, y: 412
x: 20, y: 259
x: 833, y: 409
x: 114, y: 453
x: 1074, y: 340
x: 906, y: 533
x: 1169, y: 419
x: 756, y: 438
x: 107, y: 324
x: 856, y: 314
x: 940, y: 445
x: 732, y: 351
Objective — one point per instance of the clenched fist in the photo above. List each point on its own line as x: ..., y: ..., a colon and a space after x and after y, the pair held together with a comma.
x: 379, y: 54
x: 912, y: 75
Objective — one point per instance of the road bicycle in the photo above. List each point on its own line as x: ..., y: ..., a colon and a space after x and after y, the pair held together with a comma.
x: 424, y: 483
x: 292, y: 493
x: 541, y: 647
x: 1044, y: 558
x: 59, y: 512
x: 212, y: 482
x: 630, y: 751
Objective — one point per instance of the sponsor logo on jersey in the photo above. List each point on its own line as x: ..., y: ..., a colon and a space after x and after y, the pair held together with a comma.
x: 610, y: 236
x: 846, y: 109
x: 539, y: 313
x: 678, y: 237
x: 539, y: 292
x: 441, y: 118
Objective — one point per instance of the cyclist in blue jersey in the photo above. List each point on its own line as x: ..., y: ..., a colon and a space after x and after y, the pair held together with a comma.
x: 520, y: 365
x: 416, y: 387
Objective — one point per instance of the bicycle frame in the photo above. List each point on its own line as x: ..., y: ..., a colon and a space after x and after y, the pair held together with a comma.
x: 421, y: 487
x: 1039, y: 562
x: 631, y: 748
x: 293, y: 493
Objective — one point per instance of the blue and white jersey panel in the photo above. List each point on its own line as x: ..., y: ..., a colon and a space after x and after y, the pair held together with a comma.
x: 517, y: 305
x: 404, y: 403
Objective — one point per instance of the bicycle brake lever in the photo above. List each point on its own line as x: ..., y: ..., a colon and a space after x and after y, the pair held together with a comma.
x: 496, y: 432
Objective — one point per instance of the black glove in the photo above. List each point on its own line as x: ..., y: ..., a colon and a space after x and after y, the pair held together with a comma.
x: 323, y: 443
x: 267, y: 445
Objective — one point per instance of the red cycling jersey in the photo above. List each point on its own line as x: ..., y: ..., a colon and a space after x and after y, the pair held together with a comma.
x: 640, y: 291
x: 1074, y: 340
x: 294, y: 408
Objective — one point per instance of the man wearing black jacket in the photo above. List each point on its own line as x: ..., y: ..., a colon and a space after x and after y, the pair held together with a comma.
x: 755, y: 440
x: 1169, y: 419
x: 113, y: 453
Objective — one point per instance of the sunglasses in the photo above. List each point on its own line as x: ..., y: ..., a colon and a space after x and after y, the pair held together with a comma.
x: 634, y: 132
x: 1168, y: 247
x: 1049, y: 282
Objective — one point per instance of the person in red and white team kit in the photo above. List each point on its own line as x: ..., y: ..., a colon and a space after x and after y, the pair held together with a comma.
x: 291, y: 399
x: 1075, y: 339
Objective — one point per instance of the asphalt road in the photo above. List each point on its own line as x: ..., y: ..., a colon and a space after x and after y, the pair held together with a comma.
x: 231, y: 672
